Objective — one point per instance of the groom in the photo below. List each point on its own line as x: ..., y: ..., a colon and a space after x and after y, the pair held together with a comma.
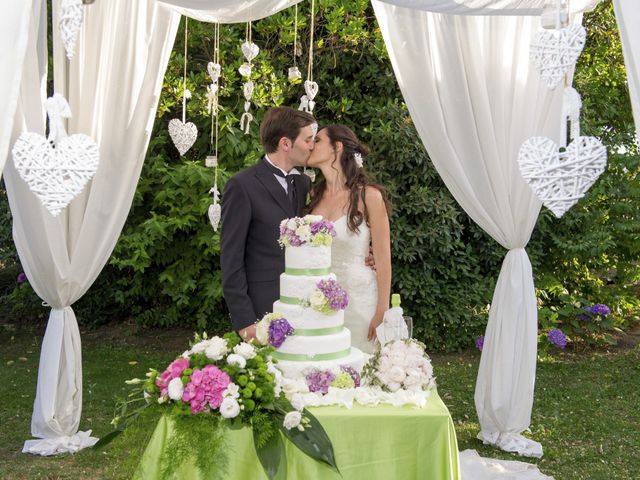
x: 254, y: 202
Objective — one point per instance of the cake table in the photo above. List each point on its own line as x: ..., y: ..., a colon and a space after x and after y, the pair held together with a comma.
x: 382, y: 442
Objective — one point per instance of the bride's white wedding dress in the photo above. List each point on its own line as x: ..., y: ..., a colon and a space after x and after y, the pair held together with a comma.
x: 347, y: 262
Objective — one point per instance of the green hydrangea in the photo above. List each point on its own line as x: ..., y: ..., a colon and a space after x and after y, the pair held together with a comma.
x: 343, y: 380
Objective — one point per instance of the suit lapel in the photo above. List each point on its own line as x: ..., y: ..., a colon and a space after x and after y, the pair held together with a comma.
x: 268, y: 180
x: 302, y: 189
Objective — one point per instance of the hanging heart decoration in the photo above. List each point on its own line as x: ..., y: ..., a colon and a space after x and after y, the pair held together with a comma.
x: 69, y: 24
x: 245, y: 70
x: 182, y: 134
x: 56, y: 168
x: 311, y: 89
x: 250, y: 50
x: 561, y: 178
x: 214, y: 70
x: 555, y: 52
x: 248, y: 91
x: 215, y: 210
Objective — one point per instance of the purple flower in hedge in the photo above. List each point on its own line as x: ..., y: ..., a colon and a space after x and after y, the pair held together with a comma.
x: 319, y: 380
x: 279, y: 330
x: 557, y: 338
x: 21, y: 278
x: 480, y: 342
x: 599, y: 309
x: 354, y: 375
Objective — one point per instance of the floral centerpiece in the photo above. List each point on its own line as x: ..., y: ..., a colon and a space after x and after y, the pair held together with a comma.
x: 308, y: 230
x: 400, y: 364
x: 234, y: 383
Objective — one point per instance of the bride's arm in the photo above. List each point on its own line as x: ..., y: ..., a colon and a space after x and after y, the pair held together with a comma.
x: 381, y: 245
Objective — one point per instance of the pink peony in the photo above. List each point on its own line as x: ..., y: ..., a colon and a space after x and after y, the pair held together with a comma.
x: 173, y: 371
x: 205, y: 388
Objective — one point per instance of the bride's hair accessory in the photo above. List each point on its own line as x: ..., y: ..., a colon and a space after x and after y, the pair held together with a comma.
x: 358, y: 158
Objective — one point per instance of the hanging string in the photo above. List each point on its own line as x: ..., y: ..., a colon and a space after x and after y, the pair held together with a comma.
x: 214, y: 211
x: 185, y: 92
x: 307, y: 102
x: 310, y: 66
x: 295, y: 36
x: 214, y: 110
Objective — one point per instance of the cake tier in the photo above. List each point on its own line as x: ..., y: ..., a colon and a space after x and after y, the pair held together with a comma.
x: 308, y: 257
x: 300, y: 286
x: 356, y: 360
x: 305, y: 318
x: 325, y: 347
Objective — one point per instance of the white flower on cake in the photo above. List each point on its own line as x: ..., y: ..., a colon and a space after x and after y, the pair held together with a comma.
x: 304, y: 232
x: 317, y: 300
x: 292, y: 420
x: 310, y: 230
x: 235, y: 359
x: 175, y: 389
x: 229, y: 408
x: 312, y: 218
x: 245, y: 350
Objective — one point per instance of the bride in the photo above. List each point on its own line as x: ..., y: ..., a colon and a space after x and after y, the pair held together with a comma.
x: 359, y: 210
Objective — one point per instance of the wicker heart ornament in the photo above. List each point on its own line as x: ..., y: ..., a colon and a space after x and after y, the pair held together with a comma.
x: 56, y: 174
x: 555, y: 52
x: 184, y: 135
x: 561, y: 178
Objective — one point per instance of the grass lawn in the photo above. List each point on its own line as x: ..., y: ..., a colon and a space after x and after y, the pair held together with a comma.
x: 586, y: 412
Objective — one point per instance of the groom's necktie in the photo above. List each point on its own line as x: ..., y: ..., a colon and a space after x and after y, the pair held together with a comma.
x: 291, y: 186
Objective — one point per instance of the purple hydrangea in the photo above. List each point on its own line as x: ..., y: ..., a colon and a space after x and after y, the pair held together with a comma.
x: 21, y: 278
x: 279, y: 330
x: 323, y: 226
x: 334, y: 293
x: 480, y: 342
x: 599, y: 309
x: 319, y: 380
x: 354, y: 374
x: 557, y: 338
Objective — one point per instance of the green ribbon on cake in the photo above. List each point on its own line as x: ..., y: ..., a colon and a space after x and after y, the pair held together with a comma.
x: 302, y: 357
x: 307, y: 271
x: 317, y: 332
x: 292, y: 300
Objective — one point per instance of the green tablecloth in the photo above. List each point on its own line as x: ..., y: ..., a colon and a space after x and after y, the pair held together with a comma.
x: 370, y: 443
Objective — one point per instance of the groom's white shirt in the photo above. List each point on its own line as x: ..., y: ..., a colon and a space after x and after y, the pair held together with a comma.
x: 281, y: 180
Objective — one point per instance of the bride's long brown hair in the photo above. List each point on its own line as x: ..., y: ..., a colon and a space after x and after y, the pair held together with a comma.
x: 356, y: 178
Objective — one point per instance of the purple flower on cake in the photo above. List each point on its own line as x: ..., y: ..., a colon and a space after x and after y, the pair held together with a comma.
x: 319, y: 380
x: 308, y: 230
x: 273, y: 330
x: 599, y: 309
x: 354, y: 374
x: 329, y: 297
x: 279, y: 330
x: 557, y: 338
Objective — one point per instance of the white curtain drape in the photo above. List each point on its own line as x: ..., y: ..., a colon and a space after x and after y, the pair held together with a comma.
x: 474, y: 98
x: 228, y: 11
x: 628, y: 18
x: 488, y: 7
x: 113, y: 84
x: 14, y: 31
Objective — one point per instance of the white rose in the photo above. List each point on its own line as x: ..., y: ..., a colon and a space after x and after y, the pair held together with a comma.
x: 216, y: 348
x: 245, y: 350
x: 292, y: 224
x: 297, y: 402
x: 292, y: 420
x: 304, y: 232
x: 317, y: 299
x: 415, y: 349
x: 175, y: 389
x: 312, y: 218
x: 414, y: 377
x: 229, y: 408
x: 232, y: 391
x: 396, y: 374
x: 186, y: 354
x: 235, y: 359
x: 393, y: 386
x: 200, y: 347
x: 398, y: 358
x: 262, y: 332
x: 385, y: 364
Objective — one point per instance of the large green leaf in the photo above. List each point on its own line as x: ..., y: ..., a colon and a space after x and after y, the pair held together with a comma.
x: 272, y: 456
x: 313, y: 441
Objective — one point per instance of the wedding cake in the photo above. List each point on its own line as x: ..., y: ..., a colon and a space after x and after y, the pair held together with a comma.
x: 312, y: 302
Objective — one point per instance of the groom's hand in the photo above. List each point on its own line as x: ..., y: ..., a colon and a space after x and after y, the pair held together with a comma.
x: 248, y: 333
x: 369, y: 261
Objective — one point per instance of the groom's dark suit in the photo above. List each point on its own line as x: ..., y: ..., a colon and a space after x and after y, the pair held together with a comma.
x: 253, y: 205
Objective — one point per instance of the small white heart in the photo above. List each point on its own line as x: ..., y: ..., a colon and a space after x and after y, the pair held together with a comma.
x: 555, y: 52
x: 560, y: 179
x: 214, y: 71
x: 311, y: 89
x: 248, y: 90
x: 245, y: 70
x: 57, y: 174
x: 184, y: 135
x: 250, y: 50
x: 69, y: 24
